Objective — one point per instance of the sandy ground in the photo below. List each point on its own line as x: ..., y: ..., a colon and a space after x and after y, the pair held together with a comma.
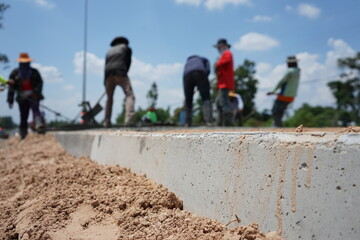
x: 47, y: 194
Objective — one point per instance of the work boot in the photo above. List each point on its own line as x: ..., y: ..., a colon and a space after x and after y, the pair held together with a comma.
x: 39, y: 125
x: 207, y: 112
x: 188, y: 117
x: 23, y: 133
x: 107, y: 124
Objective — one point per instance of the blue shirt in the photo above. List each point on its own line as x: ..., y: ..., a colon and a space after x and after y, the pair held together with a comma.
x: 197, y: 63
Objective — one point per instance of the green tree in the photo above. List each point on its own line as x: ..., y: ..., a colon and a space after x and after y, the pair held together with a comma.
x: 176, y: 116
x: 246, y: 85
x: 163, y: 115
x: 152, y: 95
x: 7, y: 123
x: 346, y: 91
x: 3, y: 7
x: 198, y: 116
x: 312, y: 117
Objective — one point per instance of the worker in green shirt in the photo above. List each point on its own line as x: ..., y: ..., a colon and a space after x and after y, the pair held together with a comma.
x: 288, y: 86
x: 3, y: 83
x: 150, y: 116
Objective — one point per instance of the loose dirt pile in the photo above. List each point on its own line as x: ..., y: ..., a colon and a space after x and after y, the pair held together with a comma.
x: 47, y: 194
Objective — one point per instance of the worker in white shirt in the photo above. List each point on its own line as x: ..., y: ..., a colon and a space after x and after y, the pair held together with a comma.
x: 237, y: 107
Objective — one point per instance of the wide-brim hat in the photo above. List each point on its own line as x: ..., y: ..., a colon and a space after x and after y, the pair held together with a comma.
x: 222, y: 41
x: 291, y: 59
x: 24, y: 58
x: 119, y: 40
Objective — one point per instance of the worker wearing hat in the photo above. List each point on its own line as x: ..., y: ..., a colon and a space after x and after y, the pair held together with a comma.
x: 288, y: 87
x: 224, y: 69
x: 117, y: 65
x: 26, y: 83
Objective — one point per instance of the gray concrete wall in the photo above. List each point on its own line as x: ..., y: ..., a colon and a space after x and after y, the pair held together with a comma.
x: 305, y: 185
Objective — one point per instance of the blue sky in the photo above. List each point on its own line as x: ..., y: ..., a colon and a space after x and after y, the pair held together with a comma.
x: 163, y: 33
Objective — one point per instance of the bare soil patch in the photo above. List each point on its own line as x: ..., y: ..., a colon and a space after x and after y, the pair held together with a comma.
x: 46, y: 193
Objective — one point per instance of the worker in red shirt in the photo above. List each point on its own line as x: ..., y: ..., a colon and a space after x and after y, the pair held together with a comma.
x: 224, y: 69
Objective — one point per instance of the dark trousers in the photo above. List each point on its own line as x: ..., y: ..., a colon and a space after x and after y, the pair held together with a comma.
x: 278, y: 112
x: 197, y: 79
x: 224, y: 111
x: 25, y: 106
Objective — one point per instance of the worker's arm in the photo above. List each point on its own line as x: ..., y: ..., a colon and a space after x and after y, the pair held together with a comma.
x: 281, y: 82
x: 128, y: 58
x: 207, y: 66
x: 224, y: 59
x: 11, y: 91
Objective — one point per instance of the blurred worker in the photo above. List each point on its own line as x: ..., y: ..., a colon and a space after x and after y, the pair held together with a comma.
x: 288, y: 86
x: 27, y: 83
x: 150, y: 117
x: 3, y: 83
x: 224, y: 69
x: 237, y: 107
x: 196, y: 72
x: 117, y: 64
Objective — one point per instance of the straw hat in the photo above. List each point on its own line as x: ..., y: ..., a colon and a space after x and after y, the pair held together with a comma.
x: 24, y: 58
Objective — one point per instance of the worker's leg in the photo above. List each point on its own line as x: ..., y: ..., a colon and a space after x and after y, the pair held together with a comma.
x: 110, y: 88
x: 24, y: 107
x: 219, y: 118
x: 35, y: 108
x: 225, y: 107
x: 189, y: 86
x: 278, y: 112
x: 204, y: 89
x: 124, y: 82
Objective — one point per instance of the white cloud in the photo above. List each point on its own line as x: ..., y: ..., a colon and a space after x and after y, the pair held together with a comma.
x: 315, y: 75
x: 45, y: 3
x: 214, y: 4
x: 94, y: 64
x: 340, y: 50
x: 148, y: 73
x: 49, y: 74
x: 190, y: 2
x: 288, y: 8
x: 69, y: 87
x: 263, y: 68
x: 260, y: 18
x: 219, y: 4
x: 256, y: 42
x: 167, y: 76
x: 309, y: 11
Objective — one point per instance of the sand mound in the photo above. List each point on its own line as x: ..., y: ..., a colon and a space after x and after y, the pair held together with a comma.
x: 47, y: 194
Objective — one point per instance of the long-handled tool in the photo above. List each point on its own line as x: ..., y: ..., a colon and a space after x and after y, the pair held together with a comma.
x: 90, y: 114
